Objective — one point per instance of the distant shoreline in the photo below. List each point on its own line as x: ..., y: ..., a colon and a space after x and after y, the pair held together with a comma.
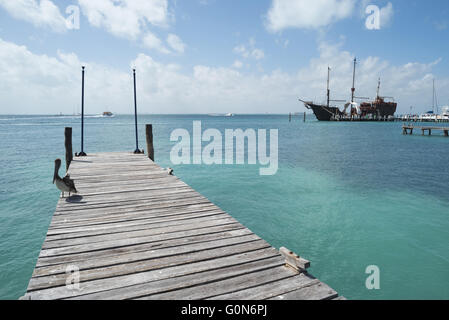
x: 151, y: 114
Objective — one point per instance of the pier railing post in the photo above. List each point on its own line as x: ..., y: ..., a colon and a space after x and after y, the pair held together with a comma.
x: 68, y: 147
x: 149, y: 136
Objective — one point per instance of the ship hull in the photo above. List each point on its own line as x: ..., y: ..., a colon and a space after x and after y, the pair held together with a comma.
x: 322, y: 112
x: 378, y: 109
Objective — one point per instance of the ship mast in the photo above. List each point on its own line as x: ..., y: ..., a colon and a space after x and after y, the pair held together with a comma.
x: 378, y: 89
x: 353, y: 81
x: 353, y: 87
x: 328, y: 90
x: 433, y: 96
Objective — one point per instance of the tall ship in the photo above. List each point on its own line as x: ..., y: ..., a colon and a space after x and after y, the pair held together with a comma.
x: 378, y: 109
x: 324, y: 112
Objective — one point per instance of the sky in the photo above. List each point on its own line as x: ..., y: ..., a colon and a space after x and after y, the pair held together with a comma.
x: 219, y: 56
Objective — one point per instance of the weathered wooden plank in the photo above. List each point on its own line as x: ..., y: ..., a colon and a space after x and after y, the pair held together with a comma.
x: 111, y: 185
x: 167, y: 227
x: 118, y: 243
x: 228, y: 285
x: 318, y: 291
x: 141, y: 218
x: 172, y: 253
x: 122, y: 191
x: 149, y: 223
x: 103, y: 218
x: 100, y: 202
x: 72, y: 258
x: 135, y: 234
x: 271, y: 290
x: 158, y: 203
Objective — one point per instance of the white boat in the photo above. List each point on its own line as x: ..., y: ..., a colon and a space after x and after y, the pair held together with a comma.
x: 430, y: 116
x: 229, y: 114
x: 444, y: 113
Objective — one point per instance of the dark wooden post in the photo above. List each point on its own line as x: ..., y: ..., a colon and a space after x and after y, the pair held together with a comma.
x: 68, y: 147
x: 304, y: 117
x: 290, y: 117
x: 149, y: 135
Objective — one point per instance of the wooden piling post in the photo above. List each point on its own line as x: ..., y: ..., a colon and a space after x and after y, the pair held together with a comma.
x: 149, y: 136
x: 294, y: 261
x: 446, y: 133
x: 304, y: 117
x: 68, y: 147
x: 290, y: 117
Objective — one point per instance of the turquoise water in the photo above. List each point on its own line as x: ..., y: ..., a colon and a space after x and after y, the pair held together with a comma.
x: 346, y: 196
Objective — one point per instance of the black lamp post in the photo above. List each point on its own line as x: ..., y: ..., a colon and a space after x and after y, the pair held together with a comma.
x: 82, y: 153
x: 137, y: 151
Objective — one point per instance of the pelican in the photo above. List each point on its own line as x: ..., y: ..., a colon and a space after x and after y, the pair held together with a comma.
x: 64, y: 184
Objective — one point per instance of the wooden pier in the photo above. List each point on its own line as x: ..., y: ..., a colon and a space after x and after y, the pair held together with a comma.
x: 136, y: 232
x: 408, y: 130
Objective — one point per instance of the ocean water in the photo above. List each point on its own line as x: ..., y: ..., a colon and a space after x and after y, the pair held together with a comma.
x: 346, y: 195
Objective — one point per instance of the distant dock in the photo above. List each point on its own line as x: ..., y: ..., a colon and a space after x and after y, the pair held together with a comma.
x: 136, y: 232
x: 408, y: 130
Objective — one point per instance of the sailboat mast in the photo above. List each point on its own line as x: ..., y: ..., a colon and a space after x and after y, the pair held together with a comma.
x: 353, y: 82
x: 378, y: 89
x: 433, y: 96
x: 328, y: 90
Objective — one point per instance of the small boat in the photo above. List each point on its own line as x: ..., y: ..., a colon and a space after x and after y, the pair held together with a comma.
x: 432, y: 115
x: 229, y: 114
x: 108, y: 114
x: 445, y: 112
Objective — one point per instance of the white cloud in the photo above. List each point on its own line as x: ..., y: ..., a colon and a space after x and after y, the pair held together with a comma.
x: 305, y: 14
x: 125, y: 18
x: 237, y: 64
x: 241, y: 50
x: 151, y: 41
x: 258, y: 54
x: 41, y: 14
x: 176, y: 43
x: 35, y: 83
x: 249, y: 50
